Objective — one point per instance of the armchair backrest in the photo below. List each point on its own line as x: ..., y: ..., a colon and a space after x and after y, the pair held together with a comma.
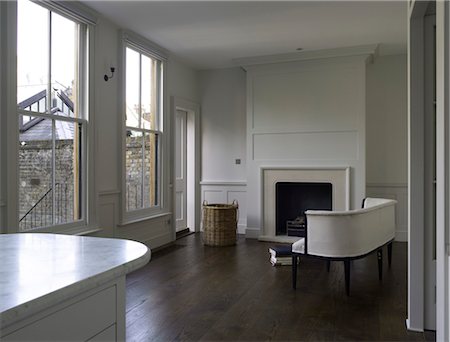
x: 351, y: 233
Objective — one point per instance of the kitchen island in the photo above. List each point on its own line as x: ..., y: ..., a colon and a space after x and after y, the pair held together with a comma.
x: 58, y: 287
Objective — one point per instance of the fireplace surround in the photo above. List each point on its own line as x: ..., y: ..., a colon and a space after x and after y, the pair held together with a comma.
x: 338, y: 177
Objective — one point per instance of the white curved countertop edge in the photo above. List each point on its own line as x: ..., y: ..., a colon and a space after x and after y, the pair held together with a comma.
x: 24, y: 310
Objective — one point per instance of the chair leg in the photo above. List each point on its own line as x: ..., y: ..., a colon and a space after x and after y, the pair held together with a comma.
x: 389, y: 248
x: 347, y: 276
x: 294, y: 271
x: 380, y: 263
x: 328, y: 265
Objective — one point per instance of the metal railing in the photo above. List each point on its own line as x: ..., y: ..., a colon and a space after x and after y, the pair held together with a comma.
x: 43, y: 213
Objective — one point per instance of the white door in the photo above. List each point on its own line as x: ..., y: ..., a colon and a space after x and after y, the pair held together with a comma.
x: 180, y: 171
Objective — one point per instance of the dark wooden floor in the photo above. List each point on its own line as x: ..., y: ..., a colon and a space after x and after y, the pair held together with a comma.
x: 192, y: 292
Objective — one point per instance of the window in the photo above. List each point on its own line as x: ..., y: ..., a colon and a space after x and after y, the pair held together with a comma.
x: 52, y: 115
x: 143, y: 133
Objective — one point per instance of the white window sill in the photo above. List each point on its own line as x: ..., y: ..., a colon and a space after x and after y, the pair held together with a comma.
x: 127, y: 222
x: 78, y: 230
x: 86, y: 230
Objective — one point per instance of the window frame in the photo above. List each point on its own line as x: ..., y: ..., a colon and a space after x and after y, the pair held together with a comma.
x: 144, y: 47
x: 86, y: 22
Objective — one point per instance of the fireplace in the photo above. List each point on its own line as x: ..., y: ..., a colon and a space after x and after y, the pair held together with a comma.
x: 336, y: 178
x: 293, y: 199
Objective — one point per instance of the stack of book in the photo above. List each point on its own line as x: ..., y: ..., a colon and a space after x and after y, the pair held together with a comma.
x: 281, y: 255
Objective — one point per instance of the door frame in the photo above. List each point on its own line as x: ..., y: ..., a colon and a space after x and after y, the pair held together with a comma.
x: 192, y: 110
x: 181, y: 159
x: 429, y: 172
x: 442, y: 171
x: 416, y: 250
x: 416, y: 172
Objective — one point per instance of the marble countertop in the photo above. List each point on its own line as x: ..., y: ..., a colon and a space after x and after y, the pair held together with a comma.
x: 41, y: 270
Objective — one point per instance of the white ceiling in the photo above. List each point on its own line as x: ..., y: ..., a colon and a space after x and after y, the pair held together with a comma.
x: 210, y: 34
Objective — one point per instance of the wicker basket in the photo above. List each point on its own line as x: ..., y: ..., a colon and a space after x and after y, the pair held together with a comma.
x: 220, y: 224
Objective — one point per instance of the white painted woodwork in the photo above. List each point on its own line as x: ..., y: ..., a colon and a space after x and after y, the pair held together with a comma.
x: 430, y: 173
x: 109, y: 334
x: 180, y: 170
x: 225, y: 192
x: 3, y: 86
x: 156, y: 231
x: 338, y: 177
x: 192, y: 162
x: 307, y: 114
x: 79, y: 321
x: 306, y: 146
x: 398, y: 192
x: 355, y: 50
x: 304, y: 98
x: 442, y: 171
x: 416, y: 267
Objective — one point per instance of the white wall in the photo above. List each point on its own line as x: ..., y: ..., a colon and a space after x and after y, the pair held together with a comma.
x: 386, y: 135
x: 387, y: 142
x: 386, y: 158
x: 107, y: 110
x: 223, y: 127
x: 182, y: 81
x: 223, y: 124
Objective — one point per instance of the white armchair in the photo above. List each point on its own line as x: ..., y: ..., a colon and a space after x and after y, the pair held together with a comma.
x: 347, y: 235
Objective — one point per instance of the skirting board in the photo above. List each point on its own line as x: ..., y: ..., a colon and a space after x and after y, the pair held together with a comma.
x: 401, y: 235
x: 252, y: 233
x: 158, y: 241
x: 242, y: 229
x: 412, y: 329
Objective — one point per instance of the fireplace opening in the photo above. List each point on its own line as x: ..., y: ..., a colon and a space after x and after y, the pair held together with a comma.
x: 293, y: 199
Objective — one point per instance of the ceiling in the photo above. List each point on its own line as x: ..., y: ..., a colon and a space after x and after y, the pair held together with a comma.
x: 210, y: 34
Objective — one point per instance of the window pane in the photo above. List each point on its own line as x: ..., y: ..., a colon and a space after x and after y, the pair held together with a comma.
x: 32, y: 56
x: 35, y: 176
x: 134, y: 174
x: 64, y: 86
x: 148, y: 91
x: 67, y: 171
x: 150, y: 170
x: 132, y: 88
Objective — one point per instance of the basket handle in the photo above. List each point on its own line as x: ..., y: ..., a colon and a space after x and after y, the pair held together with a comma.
x: 236, y: 204
x: 205, y: 202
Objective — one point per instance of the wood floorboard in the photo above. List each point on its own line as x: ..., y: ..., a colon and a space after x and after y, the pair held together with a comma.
x: 191, y: 292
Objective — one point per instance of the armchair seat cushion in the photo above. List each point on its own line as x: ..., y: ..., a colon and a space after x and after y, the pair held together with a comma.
x: 299, y: 246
